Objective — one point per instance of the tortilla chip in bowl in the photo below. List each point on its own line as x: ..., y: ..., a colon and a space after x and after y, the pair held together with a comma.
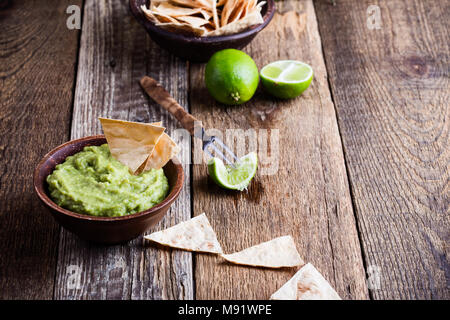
x: 196, y: 29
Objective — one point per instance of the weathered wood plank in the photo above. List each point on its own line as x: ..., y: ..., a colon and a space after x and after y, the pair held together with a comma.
x: 391, y: 90
x: 308, y: 194
x: 37, y: 68
x: 115, y: 52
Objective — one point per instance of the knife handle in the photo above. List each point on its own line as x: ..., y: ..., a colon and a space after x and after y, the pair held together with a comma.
x: 163, y: 98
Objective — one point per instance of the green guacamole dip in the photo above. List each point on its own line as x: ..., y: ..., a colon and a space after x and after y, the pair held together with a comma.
x: 93, y: 182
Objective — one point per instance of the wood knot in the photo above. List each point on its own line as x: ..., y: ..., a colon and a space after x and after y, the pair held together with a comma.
x: 416, y: 66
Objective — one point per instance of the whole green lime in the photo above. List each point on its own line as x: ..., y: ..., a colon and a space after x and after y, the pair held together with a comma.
x: 231, y: 76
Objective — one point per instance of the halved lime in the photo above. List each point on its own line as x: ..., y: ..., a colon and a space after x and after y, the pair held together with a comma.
x: 236, y: 178
x: 286, y: 78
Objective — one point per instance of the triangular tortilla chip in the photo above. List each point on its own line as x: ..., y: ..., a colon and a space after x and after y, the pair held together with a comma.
x: 131, y: 142
x: 226, y: 11
x: 164, y: 18
x: 154, y: 3
x: 215, y: 15
x: 236, y: 12
x: 183, y: 28
x: 306, y: 284
x: 206, y: 14
x: 249, y: 7
x: 175, y: 11
x: 149, y: 14
x: 195, y: 22
x: 205, y: 4
x: 277, y: 253
x: 195, y: 234
x: 164, y: 150
x: 249, y: 20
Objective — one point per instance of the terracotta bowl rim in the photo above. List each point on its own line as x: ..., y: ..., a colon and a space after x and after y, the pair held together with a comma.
x: 42, y: 194
x: 136, y: 11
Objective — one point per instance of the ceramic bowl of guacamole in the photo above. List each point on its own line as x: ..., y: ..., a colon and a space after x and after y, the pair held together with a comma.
x: 92, y: 195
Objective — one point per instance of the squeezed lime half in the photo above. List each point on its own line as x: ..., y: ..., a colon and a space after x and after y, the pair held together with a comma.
x: 286, y: 78
x: 237, y: 178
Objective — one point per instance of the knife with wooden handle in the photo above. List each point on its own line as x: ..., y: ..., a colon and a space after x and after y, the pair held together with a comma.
x: 188, y: 121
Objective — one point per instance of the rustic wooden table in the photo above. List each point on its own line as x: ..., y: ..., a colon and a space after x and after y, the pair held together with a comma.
x: 362, y: 180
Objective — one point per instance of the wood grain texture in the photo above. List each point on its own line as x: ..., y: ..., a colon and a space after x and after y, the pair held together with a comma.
x: 115, y: 52
x: 37, y: 67
x: 391, y: 90
x: 307, y: 197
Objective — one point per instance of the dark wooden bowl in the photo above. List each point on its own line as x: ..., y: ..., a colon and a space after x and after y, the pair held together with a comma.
x: 102, y: 229
x: 199, y: 49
